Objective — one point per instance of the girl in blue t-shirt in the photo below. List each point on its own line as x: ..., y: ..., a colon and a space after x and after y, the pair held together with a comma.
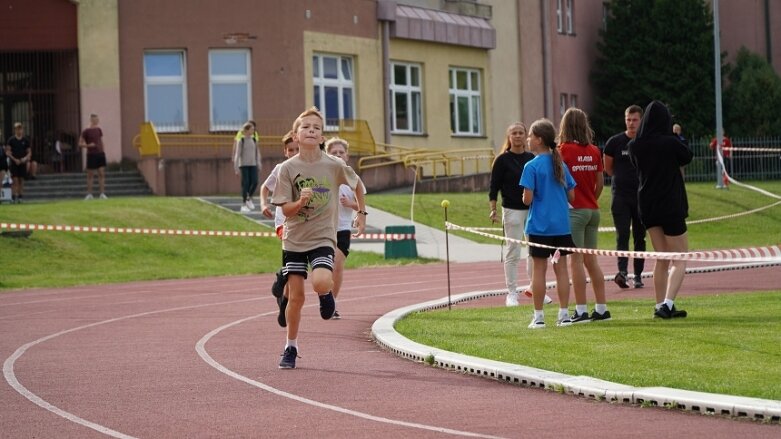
x: 548, y: 189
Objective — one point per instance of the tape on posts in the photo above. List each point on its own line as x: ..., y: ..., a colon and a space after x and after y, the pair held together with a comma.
x: 183, y: 232
x: 752, y: 254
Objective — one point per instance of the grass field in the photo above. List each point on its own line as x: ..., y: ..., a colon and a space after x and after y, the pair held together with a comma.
x: 58, y: 259
x: 731, y: 345
x: 763, y: 228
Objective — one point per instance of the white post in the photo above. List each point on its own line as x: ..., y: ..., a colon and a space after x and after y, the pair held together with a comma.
x: 717, y: 86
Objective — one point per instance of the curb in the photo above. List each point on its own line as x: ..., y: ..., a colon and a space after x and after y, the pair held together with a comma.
x: 385, y: 335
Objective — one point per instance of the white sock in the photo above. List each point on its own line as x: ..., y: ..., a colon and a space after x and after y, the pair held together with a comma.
x: 539, y: 316
x: 600, y: 308
x: 293, y: 343
x: 669, y: 303
x: 659, y: 305
x: 580, y: 309
x: 563, y: 313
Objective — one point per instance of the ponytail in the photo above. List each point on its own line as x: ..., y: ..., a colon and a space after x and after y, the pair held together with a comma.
x: 558, y: 166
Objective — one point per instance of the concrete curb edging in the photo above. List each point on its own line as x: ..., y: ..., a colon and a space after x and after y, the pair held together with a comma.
x: 386, y: 336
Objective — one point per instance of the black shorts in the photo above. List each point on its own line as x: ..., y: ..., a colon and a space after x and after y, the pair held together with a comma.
x: 96, y: 161
x: 3, y: 163
x: 343, y: 241
x: 298, y: 262
x: 670, y: 227
x: 553, y: 241
x: 19, y: 171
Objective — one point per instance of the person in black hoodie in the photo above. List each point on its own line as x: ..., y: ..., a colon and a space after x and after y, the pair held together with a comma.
x: 659, y: 156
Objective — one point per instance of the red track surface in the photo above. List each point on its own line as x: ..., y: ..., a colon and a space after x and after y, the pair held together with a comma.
x: 133, y: 366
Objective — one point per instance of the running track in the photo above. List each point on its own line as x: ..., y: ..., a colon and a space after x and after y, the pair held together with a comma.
x: 198, y: 358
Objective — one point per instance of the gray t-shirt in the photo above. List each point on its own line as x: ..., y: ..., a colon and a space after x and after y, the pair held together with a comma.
x: 315, y: 224
x: 246, y: 152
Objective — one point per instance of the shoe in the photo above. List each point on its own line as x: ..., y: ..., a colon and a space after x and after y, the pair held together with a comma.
x: 103, y: 197
x: 580, y: 318
x: 537, y: 324
x: 639, y: 282
x: 336, y: 316
x: 664, y: 312
x: 282, y: 303
x: 88, y: 197
x: 327, y: 306
x: 528, y: 293
x: 288, y: 360
x: 278, y: 287
x: 620, y: 280
x: 564, y: 322
x: 251, y: 205
x: 597, y: 317
x: 511, y: 300
x: 244, y: 209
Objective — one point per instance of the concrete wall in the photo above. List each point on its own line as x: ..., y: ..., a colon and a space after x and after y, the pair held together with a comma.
x: 506, y: 69
x: 54, y: 29
x: 743, y: 24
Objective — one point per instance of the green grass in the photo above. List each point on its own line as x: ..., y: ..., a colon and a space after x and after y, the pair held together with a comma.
x: 763, y: 228
x: 729, y: 344
x: 57, y: 259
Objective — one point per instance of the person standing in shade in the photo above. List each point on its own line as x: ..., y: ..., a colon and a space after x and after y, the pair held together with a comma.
x: 659, y: 157
x: 246, y: 159
x: 624, y: 204
x: 505, y: 174
x: 19, y: 153
x: 92, y: 140
x: 584, y: 162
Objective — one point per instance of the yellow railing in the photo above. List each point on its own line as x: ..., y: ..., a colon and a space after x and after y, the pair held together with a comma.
x: 448, y: 163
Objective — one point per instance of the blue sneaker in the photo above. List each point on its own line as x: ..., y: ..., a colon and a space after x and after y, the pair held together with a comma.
x: 327, y: 306
x: 288, y: 360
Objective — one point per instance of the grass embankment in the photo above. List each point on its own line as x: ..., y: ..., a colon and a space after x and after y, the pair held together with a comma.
x: 730, y: 345
x: 58, y: 259
x: 762, y: 228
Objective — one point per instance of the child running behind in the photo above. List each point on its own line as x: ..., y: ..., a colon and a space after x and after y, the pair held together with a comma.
x: 548, y: 186
x: 307, y: 192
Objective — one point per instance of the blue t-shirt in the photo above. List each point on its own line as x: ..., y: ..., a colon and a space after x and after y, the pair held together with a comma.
x: 549, y: 212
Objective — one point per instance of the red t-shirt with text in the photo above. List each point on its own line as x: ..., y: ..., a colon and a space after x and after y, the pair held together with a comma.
x: 583, y: 162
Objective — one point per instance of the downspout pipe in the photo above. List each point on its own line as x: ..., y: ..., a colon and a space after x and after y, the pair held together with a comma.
x: 386, y: 14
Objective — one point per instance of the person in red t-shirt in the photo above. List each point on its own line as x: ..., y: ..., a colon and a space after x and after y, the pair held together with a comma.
x: 721, y: 178
x: 92, y: 140
x: 584, y: 162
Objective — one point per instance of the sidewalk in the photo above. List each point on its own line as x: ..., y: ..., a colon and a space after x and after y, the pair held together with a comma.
x: 430, y: 241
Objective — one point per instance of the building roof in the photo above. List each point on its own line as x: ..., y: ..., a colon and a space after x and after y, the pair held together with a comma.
x: 442, y: 27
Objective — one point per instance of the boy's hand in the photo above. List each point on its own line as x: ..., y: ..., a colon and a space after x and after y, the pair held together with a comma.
x: 306, y: 195
x: 360, y: 224
x: 266, y: 210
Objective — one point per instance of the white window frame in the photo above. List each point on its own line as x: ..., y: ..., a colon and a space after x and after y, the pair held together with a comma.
x: 340, y: 82
x: 470, y: 93
x: 167, y: 80
x: 573, y: 101
x: 570, y: 17
x: 246, y: 78
x: 562, y: 104
x: 559, y: 16
x: 409, y: 90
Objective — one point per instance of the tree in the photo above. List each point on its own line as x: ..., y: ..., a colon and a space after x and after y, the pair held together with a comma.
x: 752, y: 98
x: 655, y: 49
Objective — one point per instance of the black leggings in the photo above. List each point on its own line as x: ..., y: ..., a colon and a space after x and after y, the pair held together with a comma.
x: 626, y: 214
x: 249, y: 181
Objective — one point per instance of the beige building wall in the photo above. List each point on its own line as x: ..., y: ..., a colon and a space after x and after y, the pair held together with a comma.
x: 506, y: 69
x: 367, y: 56
x: 98, y: 36
x: 436, y: 60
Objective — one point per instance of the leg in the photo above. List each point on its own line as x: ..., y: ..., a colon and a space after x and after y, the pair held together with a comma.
x: 578, y: 219
x: 338, y: 275
x: 540, y: 266
x: 322, y: 262
x: 294, y: 305
x: 678, y: 243
x: 638, y: 236
x: 562, y: 281
x: 513, y: 228
x: 102, y: 179
x: 578, y: 278
x: 597, y: 278
x: 660, y: 269
x: 90, y: 173
x: 244, y: 182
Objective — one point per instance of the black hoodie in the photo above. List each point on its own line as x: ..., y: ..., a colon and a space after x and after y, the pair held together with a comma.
x: 658, y: 155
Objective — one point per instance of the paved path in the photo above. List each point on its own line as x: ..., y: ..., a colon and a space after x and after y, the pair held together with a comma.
x: 197, y: 358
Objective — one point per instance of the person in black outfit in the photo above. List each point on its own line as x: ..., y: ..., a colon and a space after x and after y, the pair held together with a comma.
x: 624, y: 191
x: 659, y: 156
x: 20, y: 153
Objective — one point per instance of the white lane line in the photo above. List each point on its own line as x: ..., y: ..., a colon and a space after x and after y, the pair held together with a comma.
x: 200, y: 348
x: 10, y: 376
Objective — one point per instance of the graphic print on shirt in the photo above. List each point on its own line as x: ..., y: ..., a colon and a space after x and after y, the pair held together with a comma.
x: 321, y: 195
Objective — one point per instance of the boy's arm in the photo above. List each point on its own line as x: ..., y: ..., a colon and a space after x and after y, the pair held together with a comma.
x: 360, y: 219
x: 528, y: 195
x: 291, y: 208
x: 264, y: 207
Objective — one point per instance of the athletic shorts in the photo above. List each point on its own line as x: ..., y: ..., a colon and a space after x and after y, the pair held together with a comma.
x: 670, y: 227
x: 585, y: 227
x: 298, y: 262
x: 96, y: 161
x: 19, y: 171
x: 280, y: 230
x: 553, y: 241
x: 343, y: 241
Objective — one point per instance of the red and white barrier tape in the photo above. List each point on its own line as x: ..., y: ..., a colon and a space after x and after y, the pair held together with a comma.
x: 744, y: 149
x: 753, y: 254
x: 179, y: 232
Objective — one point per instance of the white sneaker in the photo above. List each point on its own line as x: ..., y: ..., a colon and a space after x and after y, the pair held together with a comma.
x: 511, y: 300
x: 103, y: 197
x: 251, y: 205
x: 564, y: 322
x: 536, y: 324
x: 88, y: 197
x: 548, y: 299
x: 244, y: 209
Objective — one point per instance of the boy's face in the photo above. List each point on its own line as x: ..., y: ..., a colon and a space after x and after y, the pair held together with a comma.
x: 291, y: 149
x: 337, y: 150
x: 310, y: 131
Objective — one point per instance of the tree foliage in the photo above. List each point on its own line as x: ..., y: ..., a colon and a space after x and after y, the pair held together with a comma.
x: 753, y: 97
x: 655, y: 49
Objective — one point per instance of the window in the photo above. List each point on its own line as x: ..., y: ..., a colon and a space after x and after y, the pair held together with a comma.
x: 165, y: 98
x: 605, y: 13
x: 465, y: 102
x: 230, y: 91
x: 570, y: 18
x: 562, y: 103
x: 559, y: 17
x: 334, y: 84
x: 405, y: 92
